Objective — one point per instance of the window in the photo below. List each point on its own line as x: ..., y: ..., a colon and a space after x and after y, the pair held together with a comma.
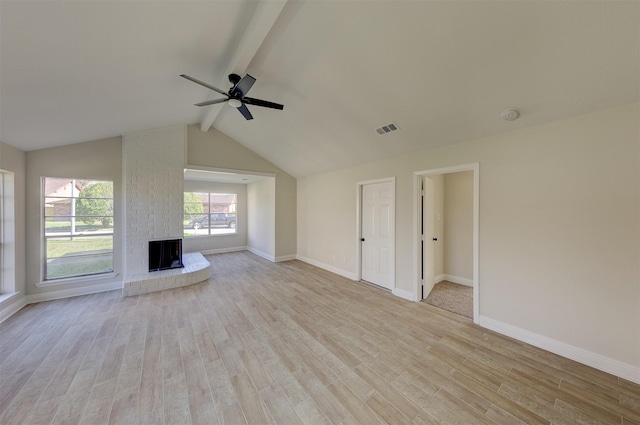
x: 207, y: 213
x: 78, y: 227
x: 7, y: 233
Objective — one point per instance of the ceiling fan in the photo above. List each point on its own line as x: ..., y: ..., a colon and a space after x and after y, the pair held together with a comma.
x: 236, y: 96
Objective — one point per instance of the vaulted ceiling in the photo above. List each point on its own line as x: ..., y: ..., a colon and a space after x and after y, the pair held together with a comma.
x: 74, y: 71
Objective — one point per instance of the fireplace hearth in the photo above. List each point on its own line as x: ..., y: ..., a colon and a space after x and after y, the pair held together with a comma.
x: 164, y: 255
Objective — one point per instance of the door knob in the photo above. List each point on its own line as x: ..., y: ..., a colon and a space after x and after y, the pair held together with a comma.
x: 362, y: 239
x: 435, y: 239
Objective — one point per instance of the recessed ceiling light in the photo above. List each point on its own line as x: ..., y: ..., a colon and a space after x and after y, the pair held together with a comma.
x: 510, y: 114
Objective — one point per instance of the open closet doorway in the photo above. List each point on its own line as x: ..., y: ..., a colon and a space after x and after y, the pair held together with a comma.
x: 447, y: 238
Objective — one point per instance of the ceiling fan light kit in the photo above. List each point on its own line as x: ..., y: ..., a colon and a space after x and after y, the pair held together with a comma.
x: 236, y: 96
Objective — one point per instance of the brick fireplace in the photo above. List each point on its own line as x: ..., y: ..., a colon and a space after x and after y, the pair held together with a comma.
x: 153, y: 170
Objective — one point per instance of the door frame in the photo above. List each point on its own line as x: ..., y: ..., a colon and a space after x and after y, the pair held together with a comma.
x: 417, y: 216
x: 359, y: 227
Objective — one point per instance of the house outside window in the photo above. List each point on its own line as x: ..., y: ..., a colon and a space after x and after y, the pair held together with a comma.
x: 209, y: 213
x: 78, y: 227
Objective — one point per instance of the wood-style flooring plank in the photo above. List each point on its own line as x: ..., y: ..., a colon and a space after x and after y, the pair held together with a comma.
x: 264, y: 343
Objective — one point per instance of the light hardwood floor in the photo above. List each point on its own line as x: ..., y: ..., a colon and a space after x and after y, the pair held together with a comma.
x: 287, y: 343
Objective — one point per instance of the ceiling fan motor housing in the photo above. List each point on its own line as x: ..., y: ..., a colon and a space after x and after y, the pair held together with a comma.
x: 234, y: 79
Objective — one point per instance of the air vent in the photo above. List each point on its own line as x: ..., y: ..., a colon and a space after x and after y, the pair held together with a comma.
x: 387, y: 128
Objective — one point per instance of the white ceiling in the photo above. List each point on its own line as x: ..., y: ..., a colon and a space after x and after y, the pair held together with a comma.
x: 74, y: 71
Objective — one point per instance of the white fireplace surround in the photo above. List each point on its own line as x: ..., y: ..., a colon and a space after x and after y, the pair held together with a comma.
x: 196, y: 269
x: 153, y: 172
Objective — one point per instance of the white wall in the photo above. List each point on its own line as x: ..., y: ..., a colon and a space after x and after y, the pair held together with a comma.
x: 458, y: 227
x: 13, y: 161
x: 261, y: 199
x: 559, y: 229
x: 222, y: 242
x: 99, y: 160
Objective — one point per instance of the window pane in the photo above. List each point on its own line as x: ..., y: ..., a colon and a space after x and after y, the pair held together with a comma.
x: 94, y: 207
x: 209, y: 213
x: 95, y: 189
x: 78, y: 222
x: 59, y: 187
x: 54, y: 206
x: 78, y: 246
x: 79, y: 266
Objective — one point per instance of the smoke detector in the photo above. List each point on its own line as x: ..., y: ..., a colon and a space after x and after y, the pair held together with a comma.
x: 510, y: 114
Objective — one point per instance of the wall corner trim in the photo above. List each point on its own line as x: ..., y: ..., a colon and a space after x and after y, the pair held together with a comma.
x: 222, y: 250
x: 332, y: 269
x: 597, y: 361
x: 457, y: 279
x: 285, y: 258
x: 8, y: 307
x: 262, y: 254
x: 403, y: 293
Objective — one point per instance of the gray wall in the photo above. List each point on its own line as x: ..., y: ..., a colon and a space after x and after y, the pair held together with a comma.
x: 262, y: 217
x: 99, y: 160
x: 458, y: 226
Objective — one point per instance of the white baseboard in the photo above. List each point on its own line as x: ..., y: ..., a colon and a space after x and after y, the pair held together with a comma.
x: 402, y: 293
x: 456, y: 279
x: 598, y: 361
x: 223, y: 250
x: 332, y: 269
x: 285, y: 258
x: 11, y: 304
x: 262, y: 254
x: 253, y: 250
x: 66, y: 293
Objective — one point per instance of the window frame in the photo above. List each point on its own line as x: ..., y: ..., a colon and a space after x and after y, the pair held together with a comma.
x: 73, y: 234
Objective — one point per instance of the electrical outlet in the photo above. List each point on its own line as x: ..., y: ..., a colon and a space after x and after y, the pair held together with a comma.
x: 344, y: 260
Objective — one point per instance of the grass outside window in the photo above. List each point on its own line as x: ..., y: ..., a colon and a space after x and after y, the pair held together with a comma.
x: 78, y: 227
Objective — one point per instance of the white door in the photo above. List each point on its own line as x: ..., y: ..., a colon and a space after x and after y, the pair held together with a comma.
x: 378, y: 233
x: 428, y: 236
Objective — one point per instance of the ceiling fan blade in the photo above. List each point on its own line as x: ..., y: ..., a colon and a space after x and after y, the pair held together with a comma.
x: 244, y: 85
x: 202, y: 83
x: 245, y: 112
x: 260, y: 102
x: 211, y: 102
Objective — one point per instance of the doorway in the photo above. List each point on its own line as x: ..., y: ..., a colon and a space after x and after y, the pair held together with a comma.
x: 376, y: 206
x: 447, y: 239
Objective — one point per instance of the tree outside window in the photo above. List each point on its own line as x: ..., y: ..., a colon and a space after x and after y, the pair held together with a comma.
x: 78, y: 227
x: 209, y: 213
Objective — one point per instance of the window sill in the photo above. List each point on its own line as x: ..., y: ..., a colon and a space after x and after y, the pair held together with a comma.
x: 78, y: 279
x: 6, y: 297
x: 211, y: 236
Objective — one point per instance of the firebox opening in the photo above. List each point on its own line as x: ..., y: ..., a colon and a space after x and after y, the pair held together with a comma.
x: 165, y: 255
